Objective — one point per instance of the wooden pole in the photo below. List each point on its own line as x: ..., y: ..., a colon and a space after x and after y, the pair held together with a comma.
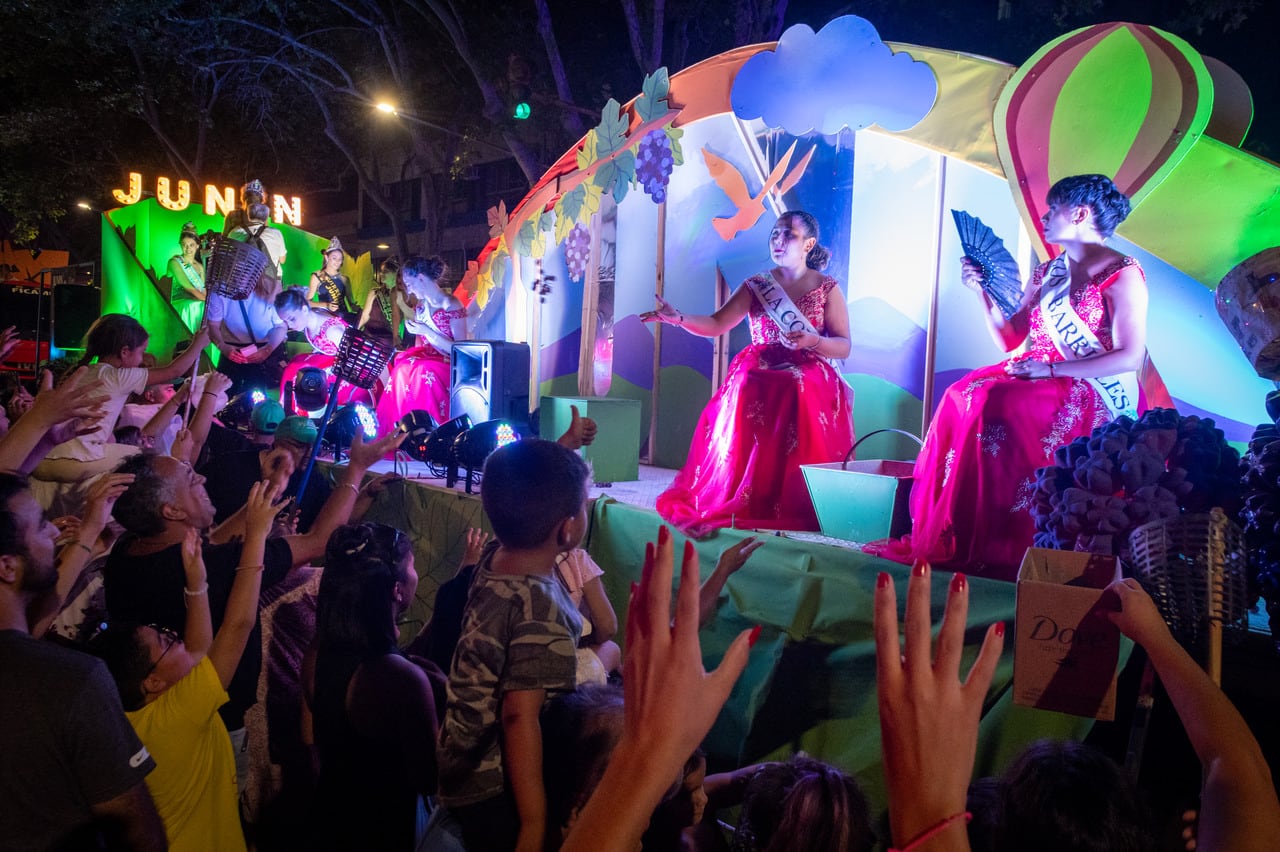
x: 590, y: 312
x: 660, y: 289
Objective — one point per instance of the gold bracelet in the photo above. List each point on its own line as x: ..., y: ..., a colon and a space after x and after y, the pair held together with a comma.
x: 87, y: 548
x: 203, y: 590
x: 355, y: 488
x: 249, y: 568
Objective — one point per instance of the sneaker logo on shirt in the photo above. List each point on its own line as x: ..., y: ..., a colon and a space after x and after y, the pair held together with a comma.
x: 139, y: 758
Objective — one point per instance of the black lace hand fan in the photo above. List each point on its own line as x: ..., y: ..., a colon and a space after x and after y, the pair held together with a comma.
x: 1001, y: 280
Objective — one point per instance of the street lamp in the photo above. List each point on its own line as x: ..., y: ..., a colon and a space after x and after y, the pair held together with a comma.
x: 391, y: 109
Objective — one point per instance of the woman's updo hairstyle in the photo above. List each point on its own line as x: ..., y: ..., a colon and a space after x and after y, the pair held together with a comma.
x: 432, y: 267
x: 819, y: 256
x: 362, y: 564
x: 1110, y: 206
x: 292, y: 299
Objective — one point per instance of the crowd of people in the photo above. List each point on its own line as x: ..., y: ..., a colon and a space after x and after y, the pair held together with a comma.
x: 194, y: 655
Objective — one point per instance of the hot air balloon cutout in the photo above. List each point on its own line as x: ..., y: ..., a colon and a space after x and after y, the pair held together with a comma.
x: 1001, y: 279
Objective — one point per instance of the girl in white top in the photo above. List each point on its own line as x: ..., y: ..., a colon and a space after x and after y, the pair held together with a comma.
x: 118, y: 342
x: 598, y: 654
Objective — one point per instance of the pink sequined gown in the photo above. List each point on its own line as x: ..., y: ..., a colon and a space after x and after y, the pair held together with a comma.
x: 975, y: 475
x: 777, y: 409
x: 322, y: 358
x: 420, y: 376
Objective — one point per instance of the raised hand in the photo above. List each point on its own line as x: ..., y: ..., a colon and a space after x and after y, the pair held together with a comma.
x: 193, y: 559
x: 75, y: 398
x: 182, y: 445
x: 671, y: 700
x: 476, y: 540
x: 216, y: 383
x: 669, y: 706
x: 736, y: 555
x: 581, y: 431
x: 363, y: 456
x: 101, y: 499
x: 663, y: 313
x: 1136, y: 614
x: 971, y: 275
x: 278, y: 466
x: 928, y: 717
x: 261, y: 508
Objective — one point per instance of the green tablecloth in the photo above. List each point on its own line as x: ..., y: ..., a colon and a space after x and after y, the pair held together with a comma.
x: 810, y: 683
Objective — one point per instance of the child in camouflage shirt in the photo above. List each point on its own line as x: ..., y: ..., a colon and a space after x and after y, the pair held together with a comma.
x: 518, y: 647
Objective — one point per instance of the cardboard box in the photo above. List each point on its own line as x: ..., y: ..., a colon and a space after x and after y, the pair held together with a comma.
x: 1066, y: 652
x: 867, y: 501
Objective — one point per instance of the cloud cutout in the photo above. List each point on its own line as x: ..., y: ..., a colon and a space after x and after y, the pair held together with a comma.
x: 841, y: 76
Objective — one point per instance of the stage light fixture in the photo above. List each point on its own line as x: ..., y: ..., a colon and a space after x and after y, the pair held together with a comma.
x: 352, y: 419
x: 310, y: 389
x: 239, y: 409
x: 439, y: 448
x: 417, y: 426
x: 473, y: 446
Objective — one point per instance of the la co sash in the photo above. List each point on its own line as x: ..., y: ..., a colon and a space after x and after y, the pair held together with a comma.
x: 1073, y: 338
x: 778, y: 305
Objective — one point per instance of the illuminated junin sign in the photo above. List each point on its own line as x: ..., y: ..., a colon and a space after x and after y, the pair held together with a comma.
x: 216, y: 201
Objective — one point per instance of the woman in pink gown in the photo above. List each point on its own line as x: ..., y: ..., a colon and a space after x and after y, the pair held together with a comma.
x: 782, y: 403
x: 323, y: 331
x: 1083, y: 320
x: 420, y: 376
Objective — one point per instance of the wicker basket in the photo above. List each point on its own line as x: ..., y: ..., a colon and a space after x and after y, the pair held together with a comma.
x: 1193, y: 566
x: 234, y: 268
x: 361, y: 357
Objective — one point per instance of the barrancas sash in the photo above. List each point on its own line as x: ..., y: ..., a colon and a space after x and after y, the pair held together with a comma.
x: 1074, y: 340
x: 778, y: 305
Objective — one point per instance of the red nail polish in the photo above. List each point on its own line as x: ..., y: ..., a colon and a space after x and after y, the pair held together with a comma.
x: 958, y: 583
x: 1000, y: 628
x: 920, y: 569
x: 753, y: 636
x: 688, y: 549
x: 882, y: 580
x: 663, y: 535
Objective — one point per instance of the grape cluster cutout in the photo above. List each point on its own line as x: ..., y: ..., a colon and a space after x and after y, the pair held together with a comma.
x: 1128, y: 473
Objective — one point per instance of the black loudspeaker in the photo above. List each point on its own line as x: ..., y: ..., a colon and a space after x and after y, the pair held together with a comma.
x: 489, y: 379
x: 75, y: 307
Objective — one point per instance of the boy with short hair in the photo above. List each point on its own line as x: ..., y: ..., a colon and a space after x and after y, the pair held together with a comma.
x: 518, y: 647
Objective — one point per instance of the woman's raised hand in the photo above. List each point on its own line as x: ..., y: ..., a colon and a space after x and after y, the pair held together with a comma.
x: 928, y: 716
x: 971, y: 275
x: 663, y: 313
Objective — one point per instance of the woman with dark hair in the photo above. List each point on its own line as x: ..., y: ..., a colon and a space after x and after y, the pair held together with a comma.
x: 1068, y: 797
x: 803, y: 804
x: 383, y: 315
x: 323, y: 331
x: 420, y: 376
x: 374, y: 718
x: 1080, y: 332
x: 782, y: 403
x: 186, y: 274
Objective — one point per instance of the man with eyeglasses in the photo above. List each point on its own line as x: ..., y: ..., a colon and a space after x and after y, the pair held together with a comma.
x: 144, y: 573
x: 72, y: 767
x: 171, y: 689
